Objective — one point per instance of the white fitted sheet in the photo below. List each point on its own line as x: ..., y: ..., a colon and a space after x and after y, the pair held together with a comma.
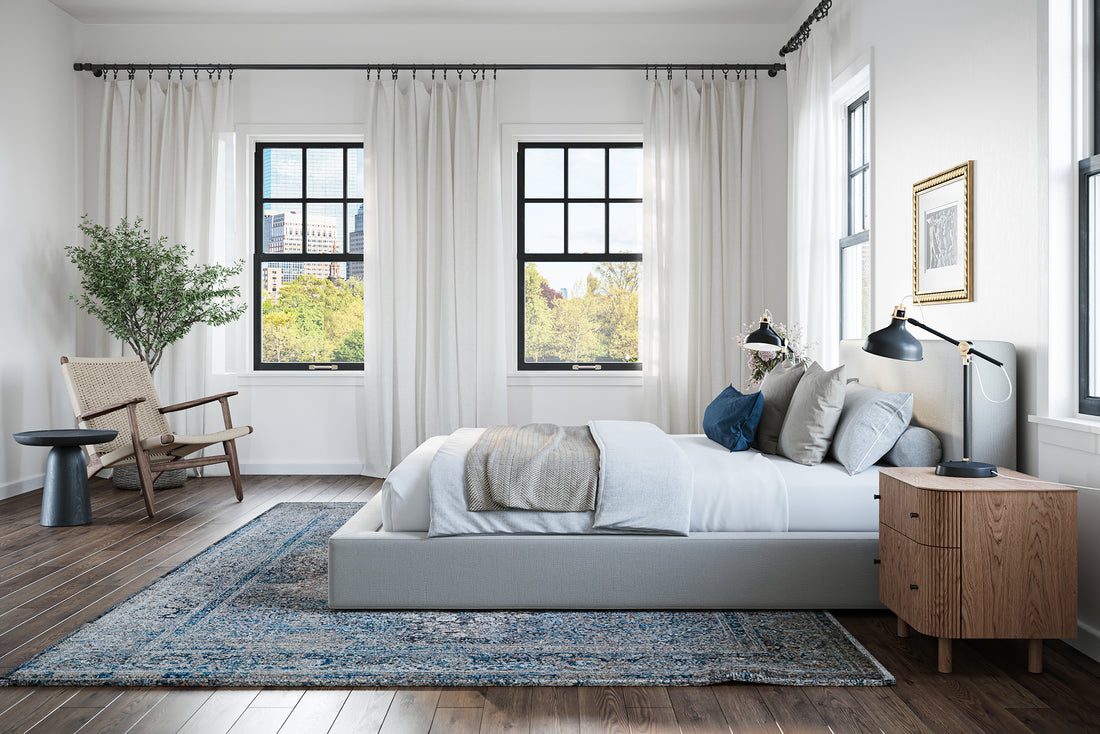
x: 818, y: 498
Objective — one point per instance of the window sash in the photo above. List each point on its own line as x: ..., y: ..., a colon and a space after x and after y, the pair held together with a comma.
x: 1088, y: 371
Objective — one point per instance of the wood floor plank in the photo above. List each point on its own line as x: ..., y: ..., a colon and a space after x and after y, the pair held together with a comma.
x: 888, y: 711
x: 744, y: 708
x: 642, y: 697
x: 653, y: 720
x: 219, y: 713
x: 278, y: 698
x: 697, y: 710
x: 466, y: 720
x: 316, y: 711
x: 840, y: 710
x: 411, y: 712
x: 171, y: 712
x: 266, y: 720
x: 363, y: 712
x: 793, y: 711
x: 125, y: 711
x: 554, y: 710
x: 603, y: 711
x: 32, y: 709
x: 64, y: 719
x: 462, y: 698
x: 506, y: 710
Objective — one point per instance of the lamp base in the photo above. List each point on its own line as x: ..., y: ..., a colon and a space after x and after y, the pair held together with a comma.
x: 972, y: 469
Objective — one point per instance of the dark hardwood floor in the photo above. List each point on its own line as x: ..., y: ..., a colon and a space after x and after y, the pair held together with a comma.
x: 52, y: 580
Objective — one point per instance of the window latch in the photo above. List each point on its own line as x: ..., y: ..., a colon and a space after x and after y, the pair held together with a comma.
x: 324, y: 367
x: 588, y: 367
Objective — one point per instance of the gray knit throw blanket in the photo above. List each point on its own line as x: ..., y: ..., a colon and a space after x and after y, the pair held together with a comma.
x: 540, y: 466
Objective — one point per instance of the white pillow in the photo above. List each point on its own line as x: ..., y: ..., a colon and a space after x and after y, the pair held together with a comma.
x: 870, y: 423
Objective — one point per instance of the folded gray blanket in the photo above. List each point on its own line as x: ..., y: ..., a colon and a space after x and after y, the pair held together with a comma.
x: 540, y: 466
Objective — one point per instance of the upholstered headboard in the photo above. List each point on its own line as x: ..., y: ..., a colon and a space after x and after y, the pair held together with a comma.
x: 936, y: 383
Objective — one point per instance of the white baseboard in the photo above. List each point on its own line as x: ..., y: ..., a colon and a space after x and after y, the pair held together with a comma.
x: 22, y: 486
x: 1088, y: 640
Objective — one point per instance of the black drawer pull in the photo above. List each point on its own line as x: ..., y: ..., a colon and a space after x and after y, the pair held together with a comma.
x: 878, y: 496
x: 912, y: 587
x: 878, y: 561
x: 913, y: 514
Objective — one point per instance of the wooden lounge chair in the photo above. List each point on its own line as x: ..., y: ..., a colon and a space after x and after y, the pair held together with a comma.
x: 117, y: 393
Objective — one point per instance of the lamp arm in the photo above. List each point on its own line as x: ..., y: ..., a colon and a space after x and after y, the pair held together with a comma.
x: 956, y: 342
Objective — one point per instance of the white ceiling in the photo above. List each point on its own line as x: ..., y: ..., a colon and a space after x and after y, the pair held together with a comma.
x: 430, y: 11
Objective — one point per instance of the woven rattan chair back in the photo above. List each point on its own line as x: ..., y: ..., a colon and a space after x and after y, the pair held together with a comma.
x: 97, y: 382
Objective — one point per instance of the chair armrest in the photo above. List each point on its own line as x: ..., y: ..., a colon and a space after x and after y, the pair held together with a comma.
x: 109, y: 409
x: 197, y: 401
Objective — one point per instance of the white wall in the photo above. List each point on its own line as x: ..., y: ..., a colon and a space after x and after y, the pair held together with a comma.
x: 310, y: 422
x: 39, y: 163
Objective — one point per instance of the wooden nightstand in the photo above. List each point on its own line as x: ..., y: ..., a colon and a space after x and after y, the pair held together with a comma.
x: 978, y: 558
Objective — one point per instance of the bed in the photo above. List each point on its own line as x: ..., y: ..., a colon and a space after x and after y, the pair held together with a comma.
x: 825, y: 559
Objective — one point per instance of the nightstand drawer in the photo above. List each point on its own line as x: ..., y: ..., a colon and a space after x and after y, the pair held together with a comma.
x: 930, y: 517
x: 920, y: 583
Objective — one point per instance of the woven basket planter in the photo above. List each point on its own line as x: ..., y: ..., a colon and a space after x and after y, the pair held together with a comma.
x: 127, y: 477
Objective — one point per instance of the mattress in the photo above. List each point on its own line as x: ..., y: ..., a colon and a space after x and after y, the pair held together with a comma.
x: 820, y: 498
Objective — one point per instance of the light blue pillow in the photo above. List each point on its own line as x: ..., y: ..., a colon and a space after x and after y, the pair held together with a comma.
x: 731, y: 418
x: 870, y: 423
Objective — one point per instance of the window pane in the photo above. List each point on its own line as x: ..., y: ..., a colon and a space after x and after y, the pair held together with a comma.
x: 282, y: 173
x: 355, y: 238
x: 544, y: 228
x: 626, y: 227
x: 324, y: 228
x: 325, y: 173
x: 355, y: 173
x: 581, y: 312
x: 855, y: 145
x: 1093, y: 278
x: 312, y: 312
x: 586, y: 228
x: 282, y: 228
x: 855, y: 297
x: 544, y: 173
x: 856, y: 213
x: 586, y: 173
x: 626, y: 173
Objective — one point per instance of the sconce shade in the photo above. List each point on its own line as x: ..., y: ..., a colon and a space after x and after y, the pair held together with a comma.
x: 894, y: 342
x: 764, y: 339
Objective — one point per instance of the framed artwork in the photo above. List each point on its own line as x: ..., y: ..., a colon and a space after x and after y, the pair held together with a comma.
x: 943, y: 256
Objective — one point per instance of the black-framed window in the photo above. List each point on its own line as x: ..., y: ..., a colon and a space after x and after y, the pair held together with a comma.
x: 855, y: 244
x: 308, y: 258
x: 1088, y: 265
x: 579, y: 255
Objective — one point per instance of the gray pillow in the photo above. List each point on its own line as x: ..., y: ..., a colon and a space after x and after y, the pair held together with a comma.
x: 915, y: 447
x: 812, y: 415
x: 870, y: 423
x: 778, y: 387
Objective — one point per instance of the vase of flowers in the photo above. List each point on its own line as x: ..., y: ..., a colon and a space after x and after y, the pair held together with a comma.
x: 761, y: 363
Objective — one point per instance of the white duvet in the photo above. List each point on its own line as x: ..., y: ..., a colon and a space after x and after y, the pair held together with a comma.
x: 738, y: 491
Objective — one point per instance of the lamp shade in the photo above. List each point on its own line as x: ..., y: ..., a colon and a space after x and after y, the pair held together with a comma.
x: 764, y: 339
x: 894, y: 342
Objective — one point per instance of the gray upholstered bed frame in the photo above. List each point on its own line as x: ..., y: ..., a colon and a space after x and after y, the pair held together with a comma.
x: 372, y: 569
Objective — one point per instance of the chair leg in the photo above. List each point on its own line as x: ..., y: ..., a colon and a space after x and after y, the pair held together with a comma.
x: 234, y: 468
x: 146, y: 476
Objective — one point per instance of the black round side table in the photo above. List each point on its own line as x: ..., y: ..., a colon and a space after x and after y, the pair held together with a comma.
x: 65, y: 499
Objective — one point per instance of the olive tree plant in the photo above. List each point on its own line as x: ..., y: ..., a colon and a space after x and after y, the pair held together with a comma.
x: 149, y: 294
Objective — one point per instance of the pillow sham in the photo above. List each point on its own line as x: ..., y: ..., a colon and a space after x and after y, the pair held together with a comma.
x: 732, y: 417
x: 777, y: 389
x: 916, y: 446
x: 871, y: 421
x: 812, y: 415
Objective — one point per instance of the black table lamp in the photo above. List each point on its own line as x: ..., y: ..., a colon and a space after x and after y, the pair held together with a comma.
x: 765, y: 339
x: 896, y: 342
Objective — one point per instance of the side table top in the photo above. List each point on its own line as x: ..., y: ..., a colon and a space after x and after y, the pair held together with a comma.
x: 64, y: 437
x: 1007, y: 480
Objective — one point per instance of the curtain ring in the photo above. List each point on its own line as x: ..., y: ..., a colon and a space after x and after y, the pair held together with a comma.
x: 196, y: 73
x: 726, y: 73
x: 150, y: 72
x: 219, y: 73
x: 494, y: 73
x: 433, y: 73
x: 669, y: 69
x: 394, y: 69
x: 444, y: 73
x: 460, y: 73
x: 115, y: 71
x: 755, y: 72
x: 230, y: 73
x: 414, y: 73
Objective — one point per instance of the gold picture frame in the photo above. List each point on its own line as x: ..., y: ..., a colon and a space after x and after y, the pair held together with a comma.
x: 943, y: 254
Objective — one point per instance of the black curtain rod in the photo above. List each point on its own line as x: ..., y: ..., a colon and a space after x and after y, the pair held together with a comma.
x: 795, y: 42
x: 98, y: 69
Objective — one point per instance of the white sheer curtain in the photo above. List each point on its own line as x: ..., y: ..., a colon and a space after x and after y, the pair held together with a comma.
x: 158, y: 159
x: 702, y: 271
x: 813, y: 275
x: 433, y: 267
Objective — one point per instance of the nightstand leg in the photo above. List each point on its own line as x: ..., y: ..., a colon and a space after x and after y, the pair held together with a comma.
x: 903, y: 628
x: 1035, y: 656
x: 945, y: 655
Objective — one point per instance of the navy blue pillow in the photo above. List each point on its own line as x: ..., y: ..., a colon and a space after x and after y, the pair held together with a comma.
x: 731, y: 418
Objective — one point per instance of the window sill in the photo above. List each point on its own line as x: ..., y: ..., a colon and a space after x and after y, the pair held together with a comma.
x: 1081, y: 425
x: 298, y: 378
x: 573, y: 379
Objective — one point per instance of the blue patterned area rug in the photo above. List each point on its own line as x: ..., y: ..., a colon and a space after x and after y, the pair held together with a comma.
x: 251, y: 611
